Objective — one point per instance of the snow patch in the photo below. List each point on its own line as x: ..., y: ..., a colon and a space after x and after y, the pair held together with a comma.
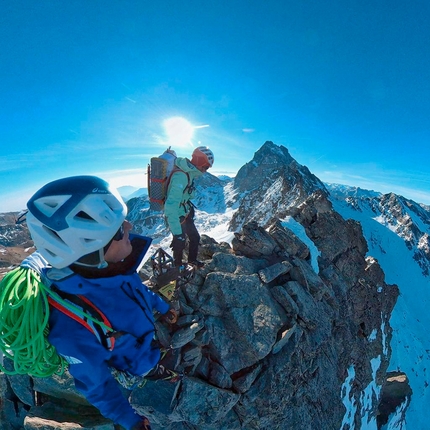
x: 369, y: 397
x: 300, y: 232
x: 372, y: 336
x: 348, y: 401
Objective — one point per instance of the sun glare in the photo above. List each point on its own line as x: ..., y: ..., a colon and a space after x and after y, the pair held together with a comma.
x: 179, y: 131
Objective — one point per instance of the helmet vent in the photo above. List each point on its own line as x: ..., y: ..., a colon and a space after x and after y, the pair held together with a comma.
x: 50, y: 204
x: 86, y: 240
x: 84, y: 215
x: 53, y: 234
x: 50, y: 252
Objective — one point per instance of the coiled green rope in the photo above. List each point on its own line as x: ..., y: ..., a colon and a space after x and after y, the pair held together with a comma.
x: 24, y: 314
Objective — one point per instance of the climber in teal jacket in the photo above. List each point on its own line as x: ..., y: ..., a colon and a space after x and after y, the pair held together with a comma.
x: 178, y: 208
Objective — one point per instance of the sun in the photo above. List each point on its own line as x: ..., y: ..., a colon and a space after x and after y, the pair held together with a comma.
x: 179, y: 131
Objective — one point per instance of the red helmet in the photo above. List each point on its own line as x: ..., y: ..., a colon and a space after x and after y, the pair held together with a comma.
x: 202, y: 157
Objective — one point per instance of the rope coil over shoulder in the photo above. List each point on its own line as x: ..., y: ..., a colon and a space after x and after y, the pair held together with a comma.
x: 24, y: 315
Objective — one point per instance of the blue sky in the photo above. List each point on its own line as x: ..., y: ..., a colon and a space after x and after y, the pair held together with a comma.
x: 85, y: 87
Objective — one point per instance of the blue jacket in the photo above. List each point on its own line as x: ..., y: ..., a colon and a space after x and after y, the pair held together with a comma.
x: 128, y: 305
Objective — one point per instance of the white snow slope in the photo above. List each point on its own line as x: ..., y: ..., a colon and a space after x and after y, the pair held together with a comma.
x: 410, y: 319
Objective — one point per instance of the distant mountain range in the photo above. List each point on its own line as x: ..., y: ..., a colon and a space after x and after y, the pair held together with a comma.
x: 128, y: 192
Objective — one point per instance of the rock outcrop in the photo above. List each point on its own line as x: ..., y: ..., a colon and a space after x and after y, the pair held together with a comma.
x: 287, y: 327
x: 266, y: 340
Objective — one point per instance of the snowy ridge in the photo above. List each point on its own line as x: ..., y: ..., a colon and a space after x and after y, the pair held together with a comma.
x: 394, y: 227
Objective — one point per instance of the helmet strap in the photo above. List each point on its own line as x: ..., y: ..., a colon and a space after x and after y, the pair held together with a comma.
x: 100, y: 265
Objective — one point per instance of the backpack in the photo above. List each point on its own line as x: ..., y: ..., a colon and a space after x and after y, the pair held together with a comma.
x: 160, y: 171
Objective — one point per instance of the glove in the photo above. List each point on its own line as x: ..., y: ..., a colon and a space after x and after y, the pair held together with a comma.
x: 171, y: 316
x: 143, y: 425
x: 178, y: 243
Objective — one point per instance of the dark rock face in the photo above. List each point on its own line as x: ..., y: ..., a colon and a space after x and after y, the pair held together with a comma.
x: 395, y: 392
x: 264, y: 340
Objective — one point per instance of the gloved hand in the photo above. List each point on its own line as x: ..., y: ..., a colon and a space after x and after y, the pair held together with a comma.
x: 143, y: 425
x: 171, y: 316
x: 178, y: 243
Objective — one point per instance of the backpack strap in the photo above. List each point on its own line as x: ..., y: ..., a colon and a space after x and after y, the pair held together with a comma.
x: 82, y: 310
x: 178, y: 169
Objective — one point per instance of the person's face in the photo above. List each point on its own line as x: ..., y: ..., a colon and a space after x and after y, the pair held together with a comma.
x: 121, y: 248
x: 204, y: 168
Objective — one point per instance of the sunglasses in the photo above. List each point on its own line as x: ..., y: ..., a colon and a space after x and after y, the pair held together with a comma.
x: 119, y: 234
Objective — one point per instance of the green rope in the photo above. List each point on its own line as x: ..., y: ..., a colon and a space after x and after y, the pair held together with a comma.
x: 24, y: 314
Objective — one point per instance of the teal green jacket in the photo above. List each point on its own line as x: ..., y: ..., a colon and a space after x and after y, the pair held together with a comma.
x: 179, y: 193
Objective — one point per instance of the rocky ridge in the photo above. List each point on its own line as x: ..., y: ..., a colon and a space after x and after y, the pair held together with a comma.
x: 408, y: 219
x: 266, y: 338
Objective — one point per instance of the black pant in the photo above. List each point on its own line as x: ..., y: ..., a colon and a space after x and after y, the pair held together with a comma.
x: 188, y: 229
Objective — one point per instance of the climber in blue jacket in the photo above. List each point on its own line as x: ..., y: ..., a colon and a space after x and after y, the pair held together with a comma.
x: 78, y: 226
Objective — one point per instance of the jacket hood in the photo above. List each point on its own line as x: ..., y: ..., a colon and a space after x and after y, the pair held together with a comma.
x: 186, y: 165
x: 99, y: 277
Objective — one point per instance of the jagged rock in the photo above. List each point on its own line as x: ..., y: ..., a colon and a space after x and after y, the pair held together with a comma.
x: 241, y: 318
x: 64, y: 416
x: 311, y: 312
x: 285, y: 337
x: 154, y: 401
x: 12, y: 414
x: 22, y: 386
x: 202, y: 338
x: 241, y: 338
x: 273, y: 180
x: 270, y: 273
x: 203, y: 369
x: 163, y: 334
x: 288, y: 241
x: 247, y: 377
x: 395, y: 391
x: 236, y: 264
x: 62, y: 387
x: 187, y: 320
x: 210, y: 247
x: 254, y: 242
x: 186, y: 335
x: 4, y: 386
x: 218, y: 376
x: 339, y: 241
x: 191, y: 358
x: 201, y: 404
x: 303, y: 273
x: 285, y: 300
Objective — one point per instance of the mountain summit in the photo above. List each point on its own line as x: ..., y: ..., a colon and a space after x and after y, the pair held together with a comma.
x: 271, y: 184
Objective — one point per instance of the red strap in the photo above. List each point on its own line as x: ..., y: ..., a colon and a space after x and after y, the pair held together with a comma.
x: 75, y: 317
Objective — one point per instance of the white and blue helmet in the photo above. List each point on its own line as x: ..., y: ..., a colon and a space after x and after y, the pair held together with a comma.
x: 73, y: 217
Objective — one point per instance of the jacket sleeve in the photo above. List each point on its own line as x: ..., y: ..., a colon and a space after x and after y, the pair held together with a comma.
x: 175, y: 196
x: 88, y: 365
